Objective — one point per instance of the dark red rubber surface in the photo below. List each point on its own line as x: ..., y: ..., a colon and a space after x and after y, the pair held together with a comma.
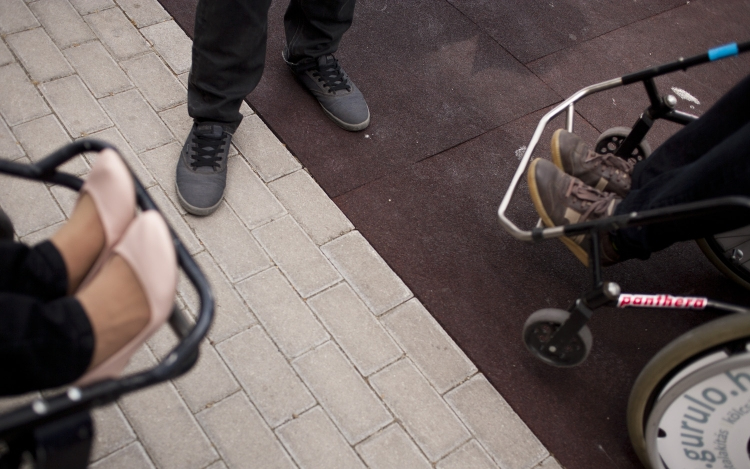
x: 455, y: 89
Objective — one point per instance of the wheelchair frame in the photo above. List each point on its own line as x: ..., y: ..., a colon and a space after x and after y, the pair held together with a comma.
x: 562, y: 338
x: 57, y: 431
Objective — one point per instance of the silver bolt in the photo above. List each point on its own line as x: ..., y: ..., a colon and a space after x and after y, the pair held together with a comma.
x: 552, y: 349
x: 39, y: 407
x: 671, y: 101
x: 74, y: 394
x: 737, y: 255
x: 613, y: 290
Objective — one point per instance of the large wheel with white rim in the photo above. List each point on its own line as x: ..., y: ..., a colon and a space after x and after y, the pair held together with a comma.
x: 685, y: 409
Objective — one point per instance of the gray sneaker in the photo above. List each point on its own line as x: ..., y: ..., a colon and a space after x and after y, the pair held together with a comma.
x: 340, y: 99
x: 202, y: 168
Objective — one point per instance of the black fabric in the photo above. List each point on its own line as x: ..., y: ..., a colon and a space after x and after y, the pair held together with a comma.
x: 229, y: 49
x: 46, y: 338
x: 706, y: 159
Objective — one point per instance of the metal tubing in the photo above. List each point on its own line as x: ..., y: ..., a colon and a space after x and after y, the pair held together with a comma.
x: 504, y: 221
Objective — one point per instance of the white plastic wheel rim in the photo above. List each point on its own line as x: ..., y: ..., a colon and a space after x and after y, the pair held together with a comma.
x: 714, y: 400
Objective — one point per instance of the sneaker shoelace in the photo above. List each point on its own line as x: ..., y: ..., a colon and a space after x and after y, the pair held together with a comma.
x: 611, y: 160
x: 208, y: 151
x: 595, y: 202
x: 330, y: 74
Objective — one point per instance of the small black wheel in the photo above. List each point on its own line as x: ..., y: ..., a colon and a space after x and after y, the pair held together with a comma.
x: 538, y: 331
x: 611, y: 139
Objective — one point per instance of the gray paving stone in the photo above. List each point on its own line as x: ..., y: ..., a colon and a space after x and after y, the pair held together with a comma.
x: 392, y: 449
x: 249, y: 197
x: 428, y: 345
x: 28, y: 203
x: 283, y: 314
x: 139, y: 124
x: 549, y: 463
x: 178, y: 120
x: 343, y: 393
x: 184, y: 80
x: 231, y: 244
x: 114, y: 137
x: 20, y: 101
x: 5, y: 56
x: 162, y: 163
x: 39, y: 55
x: 262, y: 149
x: 10, y: 149
x: 369, y: 275
x: 421, y: 410
x: 97, y: 69
x: 65, y: 198
x: 171, y: 42
x: 130, y: 457
x: 42, y: 136
x: 231, y: 315
x: 112, y: 431
x: 355, y: 329
x: 62, y: 22
x: 297, y: 256
x: 85, y: 7
x: 144, y: 12
x: 117, y: 32
x: 242, y: 437
x: 75, y: 106
x: 217, y: 465
x: 157, y: 83
x: 207, y: 383
x: 15, y: 16
x: 174, y: 219
x: 42, y: 235
x: 266, y: 376
x: 164, y: 424
x: 469, y: 455
x: 245, y: 109
x: 314, y: 443
x: 311, y: 207
x: 500, y: 431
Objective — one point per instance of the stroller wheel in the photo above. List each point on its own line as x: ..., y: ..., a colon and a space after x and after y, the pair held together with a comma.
x: 538, y: 331
x: 730, y: 253
x: 700, y: 378
x: 611, y: 139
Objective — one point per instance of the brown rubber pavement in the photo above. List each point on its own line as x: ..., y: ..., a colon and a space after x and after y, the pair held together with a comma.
x: 456, y: 88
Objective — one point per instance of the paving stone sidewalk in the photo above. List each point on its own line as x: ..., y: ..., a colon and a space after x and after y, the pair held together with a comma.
x: 320, y: 356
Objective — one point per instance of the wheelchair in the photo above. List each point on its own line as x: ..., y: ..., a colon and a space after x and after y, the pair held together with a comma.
x: 687, y: 406
x: 56, y: 432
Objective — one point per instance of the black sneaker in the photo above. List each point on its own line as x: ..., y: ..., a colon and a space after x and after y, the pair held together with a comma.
x: 202, y: 168
x: 340, y: 99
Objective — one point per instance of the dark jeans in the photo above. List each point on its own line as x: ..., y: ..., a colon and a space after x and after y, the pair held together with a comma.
x: 706, y: 159
x: 229, y: 48
x: 46, y: 338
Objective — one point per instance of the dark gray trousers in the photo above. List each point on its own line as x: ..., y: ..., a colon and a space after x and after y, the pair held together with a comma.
x: 229, y: 48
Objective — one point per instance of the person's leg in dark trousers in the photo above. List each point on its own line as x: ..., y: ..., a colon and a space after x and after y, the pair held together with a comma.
x: 724, y: 170
x: 46, y: 339
x: 229, y: 53
x: 315, y: 28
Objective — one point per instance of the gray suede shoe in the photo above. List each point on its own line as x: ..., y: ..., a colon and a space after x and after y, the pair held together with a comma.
x: 202, y: 168
x: 340, y: 99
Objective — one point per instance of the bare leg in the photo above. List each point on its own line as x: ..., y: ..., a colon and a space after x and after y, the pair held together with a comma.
x: 80, y: 241
x: 116, y: 306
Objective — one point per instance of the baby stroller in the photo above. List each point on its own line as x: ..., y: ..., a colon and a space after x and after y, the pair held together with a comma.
x: 57, y: 432
x: 685, y: 403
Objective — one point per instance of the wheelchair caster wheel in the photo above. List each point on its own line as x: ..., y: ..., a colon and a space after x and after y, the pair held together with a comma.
x: 611, y: 139
x: 538, y: 331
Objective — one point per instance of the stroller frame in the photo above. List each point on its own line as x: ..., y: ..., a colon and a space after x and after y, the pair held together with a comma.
x: 57, y: 432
